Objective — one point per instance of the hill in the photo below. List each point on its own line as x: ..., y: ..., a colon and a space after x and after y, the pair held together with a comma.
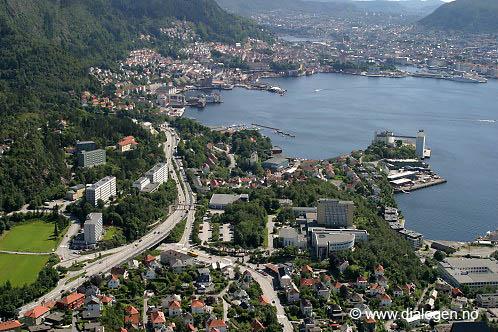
x: 47, y: 48
x: 474, y: 16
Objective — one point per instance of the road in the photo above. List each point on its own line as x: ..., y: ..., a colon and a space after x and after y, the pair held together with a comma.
x: 116, y: 256
x: 186, y: 209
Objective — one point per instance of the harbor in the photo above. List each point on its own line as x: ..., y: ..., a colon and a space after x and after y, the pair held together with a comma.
x: 275, y: 130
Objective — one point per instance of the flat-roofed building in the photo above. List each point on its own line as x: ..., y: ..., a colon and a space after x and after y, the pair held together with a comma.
x: 104, y: 189
x: 220, y: 201
x: 335, y: 213
x: 489, y: 300
x: 93, y: 227
x: 158, y: 173
x: 416, y: 239
x: 275, y: 163
x: 89, y: 158
x: 470, y: 272
x: 141, y: 183
x: 85, y: 146
x: 324, y: 244
x: 75, y: 192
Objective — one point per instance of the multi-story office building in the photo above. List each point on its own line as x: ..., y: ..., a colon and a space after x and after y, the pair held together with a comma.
x: 85, y: 146
x: 104, y: 189
x: 335, y: 213
x: 93, y: 228
x: 158, y: 173
x: 91, y: 158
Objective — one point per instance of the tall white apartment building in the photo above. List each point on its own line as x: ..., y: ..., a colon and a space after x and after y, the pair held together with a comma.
x: 158, y: 173
x: 93, y: 227
x: 335, y: 213
x: 103, y: 189
x: 420, y: 144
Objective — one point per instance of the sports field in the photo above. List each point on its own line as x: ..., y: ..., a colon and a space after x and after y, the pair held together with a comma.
x: 31, y: 236
x: 21, y: 269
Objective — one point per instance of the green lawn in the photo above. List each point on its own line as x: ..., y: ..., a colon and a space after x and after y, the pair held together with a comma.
x: 110, y: 232
x: 21, y: 269
x: 34, y: 236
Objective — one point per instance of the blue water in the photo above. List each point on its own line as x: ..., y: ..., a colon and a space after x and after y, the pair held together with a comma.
x: 333, y: 114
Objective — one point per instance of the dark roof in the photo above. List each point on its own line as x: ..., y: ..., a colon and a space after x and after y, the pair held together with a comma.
x: 470, y: 327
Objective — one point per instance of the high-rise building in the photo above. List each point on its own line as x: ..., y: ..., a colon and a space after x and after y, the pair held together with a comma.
x: 91, y: 158
x: 104, y: 189
x: 158, y: 173
x: 420, y: 144
x: 93, y: 227
x: 335, y: 213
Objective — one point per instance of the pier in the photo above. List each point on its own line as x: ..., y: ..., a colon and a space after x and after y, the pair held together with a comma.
x: 277, y: 130
x: 419, y: 185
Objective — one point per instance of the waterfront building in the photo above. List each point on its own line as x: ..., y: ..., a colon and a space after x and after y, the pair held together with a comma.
x: 104, y: 189
x: 85, y: 146
x: 93, y: 227
x: 335, y: 213
x: 470, y: 272
x: 415, y: 239
x: 89, y: 158
x: 420, y: 144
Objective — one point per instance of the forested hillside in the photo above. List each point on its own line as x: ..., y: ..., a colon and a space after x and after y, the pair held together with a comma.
x: 47, y: 48
x: 474, y: 16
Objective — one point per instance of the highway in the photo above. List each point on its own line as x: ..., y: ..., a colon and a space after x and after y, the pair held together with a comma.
x: 186, y: 209
x: 122, y: 254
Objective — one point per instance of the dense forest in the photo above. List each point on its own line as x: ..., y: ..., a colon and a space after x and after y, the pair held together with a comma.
x: 47, y: 48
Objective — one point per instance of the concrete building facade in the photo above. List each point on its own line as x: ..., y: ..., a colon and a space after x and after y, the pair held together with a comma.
x: 104, y: 189
x: 93, y: 228
x: 335, y: 213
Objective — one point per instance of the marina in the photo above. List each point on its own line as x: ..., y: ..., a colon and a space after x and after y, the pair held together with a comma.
x: 329, y: 116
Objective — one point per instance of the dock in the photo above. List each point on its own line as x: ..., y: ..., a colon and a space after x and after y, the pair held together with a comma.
x: 276, y: 130
x: 419, y: 185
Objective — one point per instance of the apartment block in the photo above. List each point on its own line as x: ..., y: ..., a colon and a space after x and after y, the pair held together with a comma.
x: 104, y: 189
x: 93, y: 228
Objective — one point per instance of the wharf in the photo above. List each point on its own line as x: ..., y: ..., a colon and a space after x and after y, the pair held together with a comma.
x: 276, y: 130
x: 419, y: 185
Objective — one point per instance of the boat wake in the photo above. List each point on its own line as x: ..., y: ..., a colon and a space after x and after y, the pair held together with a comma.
x: 318, y: 90
x: 486, y: 121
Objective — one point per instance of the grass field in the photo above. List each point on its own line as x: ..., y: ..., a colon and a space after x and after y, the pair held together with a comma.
x: 21, y: 269
x: 34, y: 236
x: 110, y: 232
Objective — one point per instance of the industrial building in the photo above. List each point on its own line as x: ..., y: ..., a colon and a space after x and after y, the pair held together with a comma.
x: 93, y: 228
x: 220, y: 201
x: 470, y: 272
x: 335, y: 213
x: 104, y: 189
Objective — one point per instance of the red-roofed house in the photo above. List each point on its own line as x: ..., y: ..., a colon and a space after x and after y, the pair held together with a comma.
x: 307, y: 282
x: 132, y: 315
x: 218, y: 324
x: 378, y: 270
x: 10, y: 326
x: 126, y: 144
x: 157, y: 319
x: 361, y: 282
x: 36, y: 315
x: 72, y: 301
x: 174, y: 309
x: 385, y: 300
x: 198, y: 307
